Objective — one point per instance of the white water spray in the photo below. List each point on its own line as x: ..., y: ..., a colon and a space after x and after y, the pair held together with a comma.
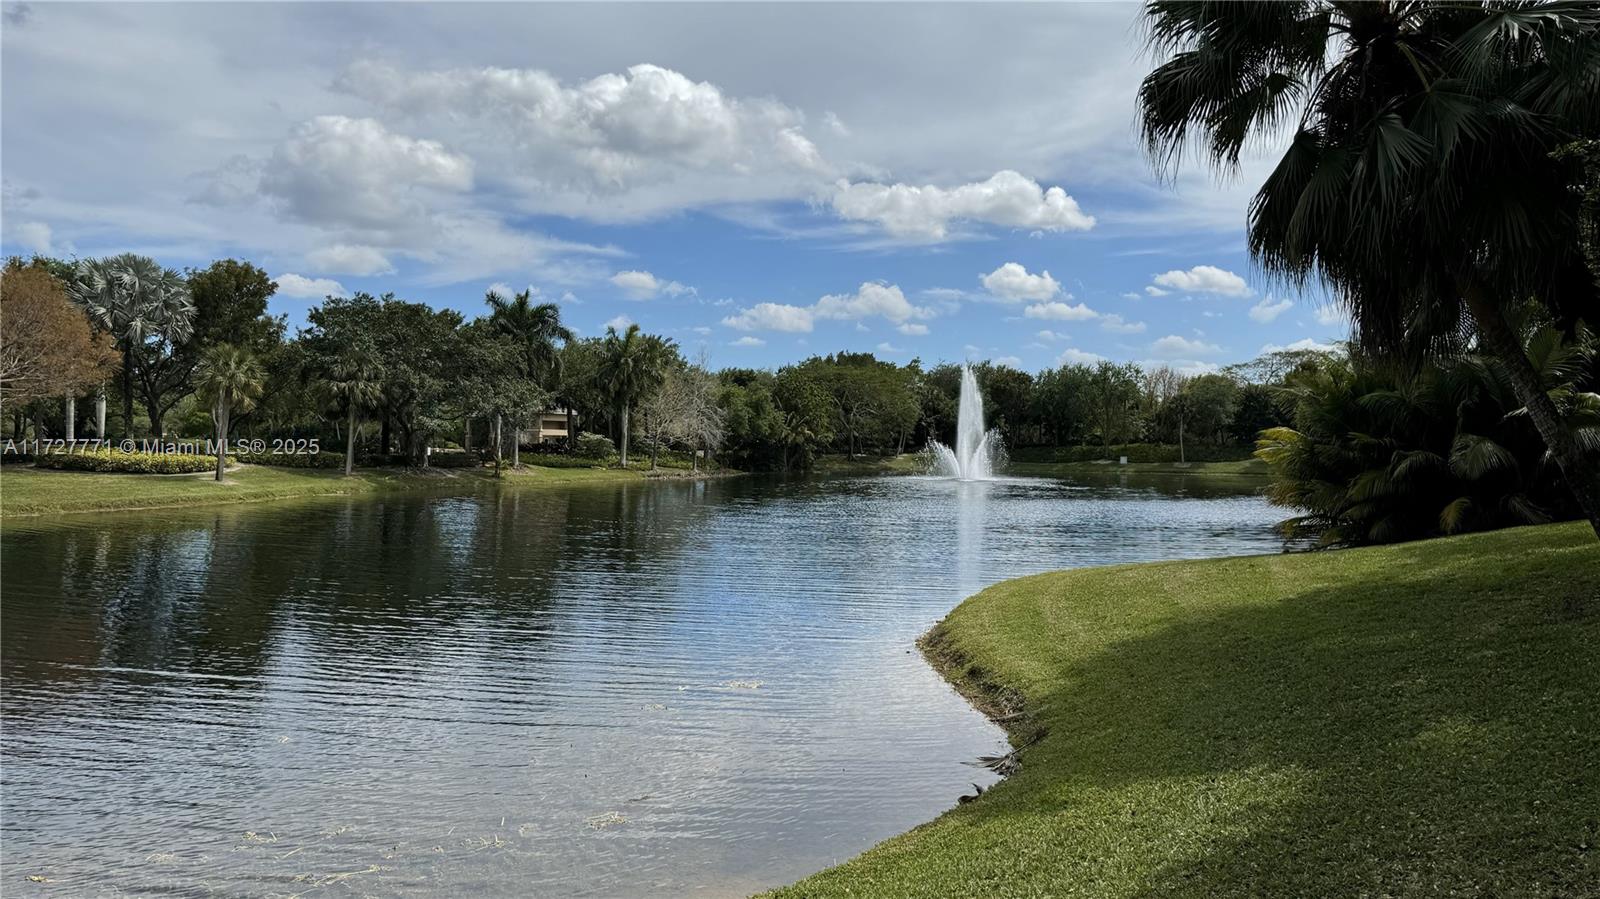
x: 973, y: 457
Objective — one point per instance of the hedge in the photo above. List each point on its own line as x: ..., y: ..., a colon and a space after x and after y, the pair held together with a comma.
x: 1136, y: 452
x: 133, y: 463
x: 292, y: 460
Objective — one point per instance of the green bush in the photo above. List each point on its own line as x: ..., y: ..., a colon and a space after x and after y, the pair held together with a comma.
x: 594, y: 447
x: 292, y: 460
x: 1136, y: 452
x: 553, y: 460
x: 112, y: 460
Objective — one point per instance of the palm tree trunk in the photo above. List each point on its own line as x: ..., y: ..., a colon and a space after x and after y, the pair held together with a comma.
x: 1503, y: 344
x: 350, y: 444
x: 127, y: 391
x: 222, y: 436
x: 625, y: 417
x: 516, y: 446
x: 100, y: 413
x: 572, y: 429
x: 466, y: 434
x: 499, y: 443
x: 72, y: 417
x: 1181, y: 459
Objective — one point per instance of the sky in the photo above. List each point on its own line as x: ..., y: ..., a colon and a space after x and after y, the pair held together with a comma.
x: 761, y: 183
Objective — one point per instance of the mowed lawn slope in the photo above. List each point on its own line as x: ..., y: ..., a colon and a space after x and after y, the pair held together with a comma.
x: 1414, y: 720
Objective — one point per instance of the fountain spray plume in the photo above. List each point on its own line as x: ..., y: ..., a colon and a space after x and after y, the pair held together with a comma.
x: 976, y: 450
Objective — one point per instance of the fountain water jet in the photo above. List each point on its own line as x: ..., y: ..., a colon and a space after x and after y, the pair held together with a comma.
x: 974, y: 454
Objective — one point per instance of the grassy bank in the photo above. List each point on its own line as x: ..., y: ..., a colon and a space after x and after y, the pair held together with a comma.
x: 30, y: 491
x: 1414, y: 720
x: 1249, y: 468
x: 905, y: 463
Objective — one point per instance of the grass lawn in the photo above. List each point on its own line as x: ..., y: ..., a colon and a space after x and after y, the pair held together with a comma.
x: 905, y: 463
x: 30, y: 491
x: 1414, y: 720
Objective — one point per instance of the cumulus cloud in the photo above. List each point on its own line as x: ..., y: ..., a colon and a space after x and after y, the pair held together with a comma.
x: 925, y: 212
x: 911, y: 329
x: 33, y: 236
x: 1267, y: 310
x: 1013, y: 282
x: 637, y: 285
x: 1305, y: 343
x: 1059, y: 311
x: 1074, y: 356
x: 1050, y: 335
x: 1330, y: 316
x: 300, y: 287
x: 887, y: 347
x: 620, y: 322
x: 749, y: 341
x: 1116, y: 324
x: 1200, y: 279
x: 1012, y: 361
x: 871, y: 299
x: 647, y: 139
x: 772, y: 317
x: 346, y: 259
x: 1175, y: 347
x: 336, y: 170
x: 1186, y: 367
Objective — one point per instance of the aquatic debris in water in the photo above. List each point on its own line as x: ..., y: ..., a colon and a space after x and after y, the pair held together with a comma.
x: 609, y: 819
x: 741, y: 684
x: 1003, y: 765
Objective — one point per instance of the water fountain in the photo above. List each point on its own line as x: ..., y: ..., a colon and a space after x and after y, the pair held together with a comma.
x: 974, y: 454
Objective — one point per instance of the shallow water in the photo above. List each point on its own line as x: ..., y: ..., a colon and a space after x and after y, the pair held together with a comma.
x: 632, y: 690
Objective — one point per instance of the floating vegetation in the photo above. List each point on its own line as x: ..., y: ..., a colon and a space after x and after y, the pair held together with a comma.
x: 741, y: 684
x: 609, y: 819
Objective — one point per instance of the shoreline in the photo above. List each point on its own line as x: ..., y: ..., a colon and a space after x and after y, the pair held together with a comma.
x: 45, y: 493
x: 1251, y: 725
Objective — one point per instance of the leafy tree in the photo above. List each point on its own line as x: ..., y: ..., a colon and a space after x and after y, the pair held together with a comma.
x: 1112, y: 395
x: 1211, y: 400
x: 47, y: 348
x: 147, y: 310
x: 535, y: 329
x: 352, y: 382
x: 230, y: 378
x: 1007, y: 400
x: 1420, y: 182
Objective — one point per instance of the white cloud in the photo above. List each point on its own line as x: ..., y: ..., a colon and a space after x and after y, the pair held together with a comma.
x: 1186, y: 367
x: 637, y: 285
x: 925, y: 212
x: 34, y: 236
x: 772, y: 317
x: 748, y: 341
x: 887, y: 347
x: 1305, y: 343
x: 872, y: 298
x: 348, y: 259
x: 1075, y: 356
x: 911, y: 329
x: 1201, y: 279
x: 1116, y: 324
x: 335, y: 170
x: 1174, y: 347
x: 1058, y: 311
x: 1266, y: 310
x: 1012, y: 361
x: 300, y: 287
x: 1013, y: 282
x: 620, y: 322
x: 1134, y: 296
x: 568, y: 296
x: 1330, y: 316
x: 1156, y: 291
x: 1049, y: 335
x: 645, y: 140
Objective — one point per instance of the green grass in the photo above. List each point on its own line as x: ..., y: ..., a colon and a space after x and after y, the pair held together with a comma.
x: 905, y: 463
x: 30, y: 491
x: 1413, y: 720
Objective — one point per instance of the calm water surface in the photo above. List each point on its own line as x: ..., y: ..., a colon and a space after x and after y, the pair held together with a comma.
x: 635, y: 690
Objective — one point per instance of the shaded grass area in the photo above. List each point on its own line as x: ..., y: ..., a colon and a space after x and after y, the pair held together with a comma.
x: 30, y: 491
x: 905, y: 463
x: 1412, y: 720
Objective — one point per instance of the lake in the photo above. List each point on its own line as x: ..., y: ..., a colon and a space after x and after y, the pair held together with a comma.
x: 648, y: 689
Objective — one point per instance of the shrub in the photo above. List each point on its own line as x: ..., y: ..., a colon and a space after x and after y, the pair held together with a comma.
x: 292, y: 460
x: 594, y: 447
x: 455, y: 459
x: 112, y: 460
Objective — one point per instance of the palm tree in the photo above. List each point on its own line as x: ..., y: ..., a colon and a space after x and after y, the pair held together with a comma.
x: 133, y: 299
x: 632, y: 364
x: 232, y: 378
x: 1419, y: 182
x: 536, y: 328
x: 354, y: 384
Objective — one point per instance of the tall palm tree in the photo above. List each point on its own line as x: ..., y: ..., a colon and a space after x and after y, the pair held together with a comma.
x: 232, y: 378
x: 632, y: 364
x: 355, y: 385
x: 1419, y: 181
x: 135, y: 300
x: 537, y: 329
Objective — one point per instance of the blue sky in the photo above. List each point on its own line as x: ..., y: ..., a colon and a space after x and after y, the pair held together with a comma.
x: 761, y: 183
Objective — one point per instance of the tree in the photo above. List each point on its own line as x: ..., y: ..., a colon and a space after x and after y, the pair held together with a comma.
x: 47, y: 348
x: 353, y: 383
x: 632, y: 366
x: 1112, y: 391
x: 534, y: 329
x: 231, y: 378
x: 1420, y: 182
x: 147, y: 310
